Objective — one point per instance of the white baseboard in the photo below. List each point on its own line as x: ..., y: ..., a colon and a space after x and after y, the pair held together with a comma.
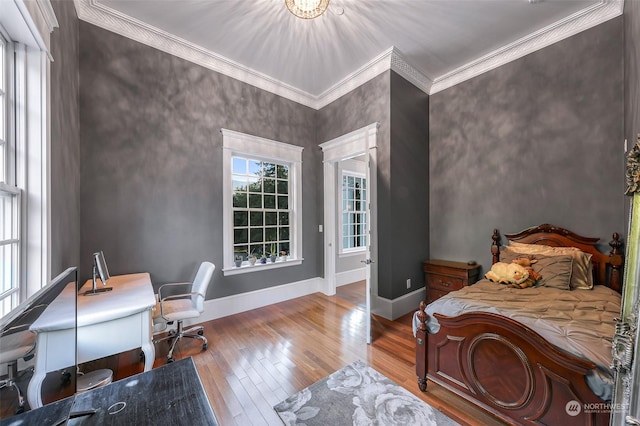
x: 230, y: 305
x: 350, y: 277
x: 393, y: 309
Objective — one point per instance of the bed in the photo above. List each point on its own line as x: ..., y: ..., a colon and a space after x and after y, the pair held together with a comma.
x: 494, y: 361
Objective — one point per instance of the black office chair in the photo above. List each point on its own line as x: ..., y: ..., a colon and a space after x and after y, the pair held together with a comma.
x: 188, y: 303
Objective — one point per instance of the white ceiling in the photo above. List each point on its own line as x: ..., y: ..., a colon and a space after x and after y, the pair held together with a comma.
x: 435, y: 43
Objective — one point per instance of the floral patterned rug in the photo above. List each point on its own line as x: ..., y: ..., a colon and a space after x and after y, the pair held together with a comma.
x: 358, y: 395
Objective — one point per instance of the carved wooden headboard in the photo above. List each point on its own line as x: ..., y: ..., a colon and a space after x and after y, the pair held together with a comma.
x: 607, y: 268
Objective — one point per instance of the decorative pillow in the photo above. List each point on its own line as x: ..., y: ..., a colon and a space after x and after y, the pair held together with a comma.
x: 582, y: 274
x: 556, y: 271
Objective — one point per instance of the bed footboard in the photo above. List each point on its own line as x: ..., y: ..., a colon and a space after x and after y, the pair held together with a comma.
x: 508, y: 369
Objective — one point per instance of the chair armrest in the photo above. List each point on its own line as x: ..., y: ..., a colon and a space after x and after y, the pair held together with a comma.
x: 25, y: 320
x: 178, y: 296
x: 171, y: 289
x: 15, y: 329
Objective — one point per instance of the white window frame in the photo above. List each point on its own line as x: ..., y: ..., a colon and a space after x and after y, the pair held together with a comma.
x: 353, y: 250
x: 11, y: 216
x: 244, y: 145
x: 28, y: 25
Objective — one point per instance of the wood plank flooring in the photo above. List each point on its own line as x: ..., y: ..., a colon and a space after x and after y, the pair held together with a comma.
x: 256, y: 359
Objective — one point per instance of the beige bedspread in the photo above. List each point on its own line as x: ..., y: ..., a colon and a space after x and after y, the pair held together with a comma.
x: 578, y: 321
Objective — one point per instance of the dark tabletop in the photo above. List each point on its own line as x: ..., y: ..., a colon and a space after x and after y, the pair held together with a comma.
x: 170, y: 395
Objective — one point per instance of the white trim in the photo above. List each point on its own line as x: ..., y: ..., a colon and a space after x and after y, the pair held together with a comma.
x: 236, y: 143
x: 571, y: 25
x: 35, y: 177
x: 261, y: 267
x: 41, y: 20
x: 32, y: 137
x: 390, y: 59
x: 104, y: 17
x: 109, y: 19
x: 353, y: 144
x: 243, y: 302
x: 350, y: 277
x: 112, y: 20
x: 394, y: 309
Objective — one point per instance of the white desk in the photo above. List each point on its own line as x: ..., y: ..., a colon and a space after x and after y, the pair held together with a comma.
x: 108, y: 323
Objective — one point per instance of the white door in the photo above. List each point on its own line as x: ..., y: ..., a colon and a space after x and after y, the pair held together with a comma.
x: 356, y: 143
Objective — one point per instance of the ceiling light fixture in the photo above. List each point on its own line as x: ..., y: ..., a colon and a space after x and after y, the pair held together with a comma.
x: 307, y: 9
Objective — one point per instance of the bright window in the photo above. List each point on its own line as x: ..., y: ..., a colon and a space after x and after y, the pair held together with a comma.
x: 25, y: 248
x: 9, y: 192
x: 260, y: 207
x: 354, y: 212
x: 262, y: 203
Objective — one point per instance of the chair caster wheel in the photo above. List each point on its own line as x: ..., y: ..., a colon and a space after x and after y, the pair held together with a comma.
x: 200, y: 332
x: 204, y: 347
x: 170, y: 360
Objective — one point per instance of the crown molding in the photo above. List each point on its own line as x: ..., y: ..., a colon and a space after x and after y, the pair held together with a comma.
x: 109, y: 19
x: 49, y: 15
x: 571, y: 25
x: 390, y: 59
x: 93, y: 12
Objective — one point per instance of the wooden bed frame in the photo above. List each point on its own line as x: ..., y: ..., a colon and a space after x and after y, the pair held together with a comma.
x: 507, y: 368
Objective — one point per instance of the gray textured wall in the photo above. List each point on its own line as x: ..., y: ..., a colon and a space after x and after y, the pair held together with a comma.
x: 537, y: 140
x: 402, y: 111
x: 65, y: 141
x: 365, y: 105
x: 632, y: 70
x: 409, y: 206
x: 151, y: 188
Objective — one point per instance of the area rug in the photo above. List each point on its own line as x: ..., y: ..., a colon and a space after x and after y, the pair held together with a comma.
x: 358, y: 395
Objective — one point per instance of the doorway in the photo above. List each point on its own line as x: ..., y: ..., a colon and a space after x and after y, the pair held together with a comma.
x: 359, y: 144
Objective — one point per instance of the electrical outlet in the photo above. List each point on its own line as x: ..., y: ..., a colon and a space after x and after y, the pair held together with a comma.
x: 408, y: 282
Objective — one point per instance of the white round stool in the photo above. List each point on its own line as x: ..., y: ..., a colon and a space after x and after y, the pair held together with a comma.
x: 93, y: 379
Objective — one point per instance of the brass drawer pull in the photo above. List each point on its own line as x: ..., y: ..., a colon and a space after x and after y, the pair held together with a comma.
x: 445, y: 284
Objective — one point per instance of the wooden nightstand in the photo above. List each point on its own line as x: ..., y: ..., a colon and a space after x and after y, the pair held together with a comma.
x: 443, y: 276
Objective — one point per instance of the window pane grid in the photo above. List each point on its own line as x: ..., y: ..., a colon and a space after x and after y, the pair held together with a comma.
x: 9, y: 250
x: 3, y: 110
x: 354, y: 212
x: 9, y: 200
x: 260, y: 208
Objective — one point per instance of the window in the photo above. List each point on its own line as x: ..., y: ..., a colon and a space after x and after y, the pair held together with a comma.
x: 262, y: 203
x: 354, y: 212
x: 24, y: 150
x: 260, y: 207
x: 9, y: 192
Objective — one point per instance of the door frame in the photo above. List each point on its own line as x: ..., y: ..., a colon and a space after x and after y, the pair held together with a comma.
x: 353, y: 144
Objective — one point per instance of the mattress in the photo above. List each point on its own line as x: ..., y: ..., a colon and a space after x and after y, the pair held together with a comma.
x: 578, y: 321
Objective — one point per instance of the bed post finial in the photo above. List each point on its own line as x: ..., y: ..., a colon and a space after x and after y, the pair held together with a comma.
x: 615, y: 259
x: 495, y: 246
x: 422, y: 317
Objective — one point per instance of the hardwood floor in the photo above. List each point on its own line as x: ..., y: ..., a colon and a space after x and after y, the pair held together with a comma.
x: 256, y: 359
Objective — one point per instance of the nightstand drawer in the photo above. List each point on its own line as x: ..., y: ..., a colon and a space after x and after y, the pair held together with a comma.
x: 444, y: 283
x: 443, y: 276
